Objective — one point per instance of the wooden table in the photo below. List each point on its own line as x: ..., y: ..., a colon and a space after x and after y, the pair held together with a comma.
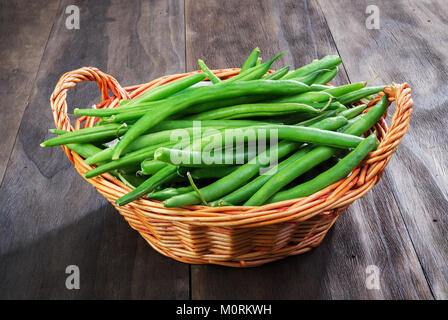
x: 51, y: 218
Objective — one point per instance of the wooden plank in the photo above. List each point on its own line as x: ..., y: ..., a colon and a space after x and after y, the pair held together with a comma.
x: 369, y: 233
x: 410, y: 46
x: 25, y: 28
x: 50, y: 217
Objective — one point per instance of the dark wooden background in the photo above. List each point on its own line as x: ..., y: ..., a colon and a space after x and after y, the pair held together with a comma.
x: 51, y: 218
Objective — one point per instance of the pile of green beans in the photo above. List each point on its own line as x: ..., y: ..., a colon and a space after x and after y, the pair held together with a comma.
x: 255, y: 138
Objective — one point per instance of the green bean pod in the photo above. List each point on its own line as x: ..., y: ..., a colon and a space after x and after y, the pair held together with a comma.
x: 204, y: 94
x: 168, y: 193
x: 211, y: 76
x: 353, y: 112
x: 215, y: 104
x: 357, y: 95
x: 85, y: 150
x: 100, y: 136
x: 135, y: 157
x: 150, y: 167
x: 276, y: 74
x: 342, y: 90
x: 131, y: 180
x: 319, y: 87
x: 180, y: 124
x: 212, y: 172
x: 251, y: 61
x: 321, y: 116
x: 309, y: 78
x: 67, y: 137
x: 254, y: 110
x: 306, y: 98
x: 255, y: 72
x: 166, y: 90
x: 326, y: 62
x: 332, y: 175
x: 326, y: 76
x: 152, y: 139
x: 164, y: 175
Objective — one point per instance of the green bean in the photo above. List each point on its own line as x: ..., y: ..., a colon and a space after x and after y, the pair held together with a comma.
x: 135, y: 157
x: 337, y: 172
x: 85, y: 150
x: 247, y: 190
x: 168, y: 193
x: 203, y: 94
x: 188, y: 158
x: 370, y: 118
x: 306, y: 98
x: 326, y: 76
x: 99, y: 136
x: 359, y: 94
x: 326, y: 62
x: 277, y: 74
x: 314, y: 157
x: 212, y: 172
x: 323, y: 115
x: 351, y: 121
x: 309, y: 78
x: 211, y: 76
x: 58, y: 131
x: 259, y: 59
x: 180, y: 124
x: 158, y: 138
x: 150, y: 167
x: 319, y: 87
x: 128, y: 108
x: 232, y: 181
x: 164, y: 175
x: 131, y: 180
x: 77, y: 133
x: 339, y: 91
x: 254, y: 110
x: 166, y: 90
x: 353, y: 112
x: 221, y: 103
x: 251, y: 60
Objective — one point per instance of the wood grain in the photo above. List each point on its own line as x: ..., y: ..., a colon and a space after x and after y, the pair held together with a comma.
x: 411, y: 45
x: 49, y: 216
x: 24, y: 29
x: 371, y: 232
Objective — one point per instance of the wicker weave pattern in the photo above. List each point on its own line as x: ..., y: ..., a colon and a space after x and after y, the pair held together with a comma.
x: 233, y: 236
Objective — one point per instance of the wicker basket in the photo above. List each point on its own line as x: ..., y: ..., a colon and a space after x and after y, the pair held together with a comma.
x: 232, y: 236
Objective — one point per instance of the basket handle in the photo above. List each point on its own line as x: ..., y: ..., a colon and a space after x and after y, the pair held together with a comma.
x: 378, y: 159
x: 70, y: 79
